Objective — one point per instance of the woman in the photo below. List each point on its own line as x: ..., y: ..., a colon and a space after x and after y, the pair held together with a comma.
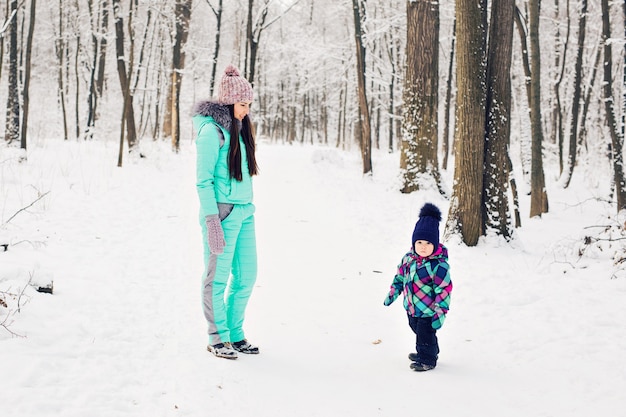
x: 225, y: 165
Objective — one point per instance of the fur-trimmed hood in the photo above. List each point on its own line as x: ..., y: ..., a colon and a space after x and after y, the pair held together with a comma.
x: 218, y: 112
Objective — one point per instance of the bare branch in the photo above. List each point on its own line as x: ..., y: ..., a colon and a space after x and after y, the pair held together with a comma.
x: 19, y: 297
x: 27, y: 207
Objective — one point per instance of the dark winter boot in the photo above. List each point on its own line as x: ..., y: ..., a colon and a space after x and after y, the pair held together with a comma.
x: 244, y: 346
x: 223, y: 350
x: 421, y: 367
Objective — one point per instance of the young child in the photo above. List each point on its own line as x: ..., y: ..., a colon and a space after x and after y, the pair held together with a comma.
x: 423, y: 276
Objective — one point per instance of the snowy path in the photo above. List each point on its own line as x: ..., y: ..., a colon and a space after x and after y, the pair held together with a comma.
x: 124, y: 335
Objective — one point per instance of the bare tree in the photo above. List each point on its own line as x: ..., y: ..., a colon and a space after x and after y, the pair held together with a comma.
x: 617, y: 139
x: 128, y: 118
x: 538, y: 193
x: 27, y: 69
x: 497, y: 216
x: 254, y: 27
x: 216, y: 49
x: 393, y: 53
x: 560, y: 58
x: 589, y: 88
x: 522, y: 30
x: 418, y: 155
x: 465, y: 213
x: 99, y: 21
x: 448, y: 103
x: 183, y: 15
x: 12, y: 125
x: 60, y: 49
x: 576, y: 98
x: 364, y: 127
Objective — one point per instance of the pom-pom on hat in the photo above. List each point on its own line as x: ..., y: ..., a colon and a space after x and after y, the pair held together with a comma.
x: 234, y: 88
x: 427, y: 227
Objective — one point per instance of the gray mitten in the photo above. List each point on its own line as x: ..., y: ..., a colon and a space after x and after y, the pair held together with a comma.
x: 215, y: 234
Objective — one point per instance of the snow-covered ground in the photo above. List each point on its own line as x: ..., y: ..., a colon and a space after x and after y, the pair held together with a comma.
x: 533, y: 329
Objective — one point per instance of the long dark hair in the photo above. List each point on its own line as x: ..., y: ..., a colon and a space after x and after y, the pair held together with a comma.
x: 234, y: 153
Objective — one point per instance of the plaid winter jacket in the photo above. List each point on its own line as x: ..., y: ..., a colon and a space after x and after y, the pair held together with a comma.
x: 426, y: 285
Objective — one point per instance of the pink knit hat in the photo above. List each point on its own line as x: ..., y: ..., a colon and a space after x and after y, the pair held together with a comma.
x: 233, y: 87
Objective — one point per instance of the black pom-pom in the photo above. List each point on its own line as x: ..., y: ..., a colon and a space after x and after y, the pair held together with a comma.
x: 430, y: 210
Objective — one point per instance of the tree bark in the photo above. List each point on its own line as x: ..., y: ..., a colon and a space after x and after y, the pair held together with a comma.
x: 60, y: 47
x: 496, y: 215
x: 418, y: 156
x: 102, y: 50
x: 538, y: 193
x: 12, y: 125
x: 27, y: 68
x: 216, y: 49
x: 358, y: 7
x: 128, y: 114
x: 617, y: 140
x: 576, y: 98
x: 97, y: 37
x: 557, y: 134
x: 448, y: 104
x: 464, y: 216
x: 183, y: 15
x: 522, y: 31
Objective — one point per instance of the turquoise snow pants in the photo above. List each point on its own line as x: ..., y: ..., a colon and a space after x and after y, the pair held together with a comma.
x: 230, y: 276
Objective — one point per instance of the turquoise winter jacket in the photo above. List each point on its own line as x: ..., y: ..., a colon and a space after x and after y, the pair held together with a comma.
x: 213, y: 181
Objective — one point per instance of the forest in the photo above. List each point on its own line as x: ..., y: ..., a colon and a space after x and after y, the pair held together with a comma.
x: 473, y: 86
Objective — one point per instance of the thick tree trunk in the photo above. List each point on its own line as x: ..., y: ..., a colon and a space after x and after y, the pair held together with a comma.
x: 464, y: 216
x: 418, y: 155
x: 496, y: 216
